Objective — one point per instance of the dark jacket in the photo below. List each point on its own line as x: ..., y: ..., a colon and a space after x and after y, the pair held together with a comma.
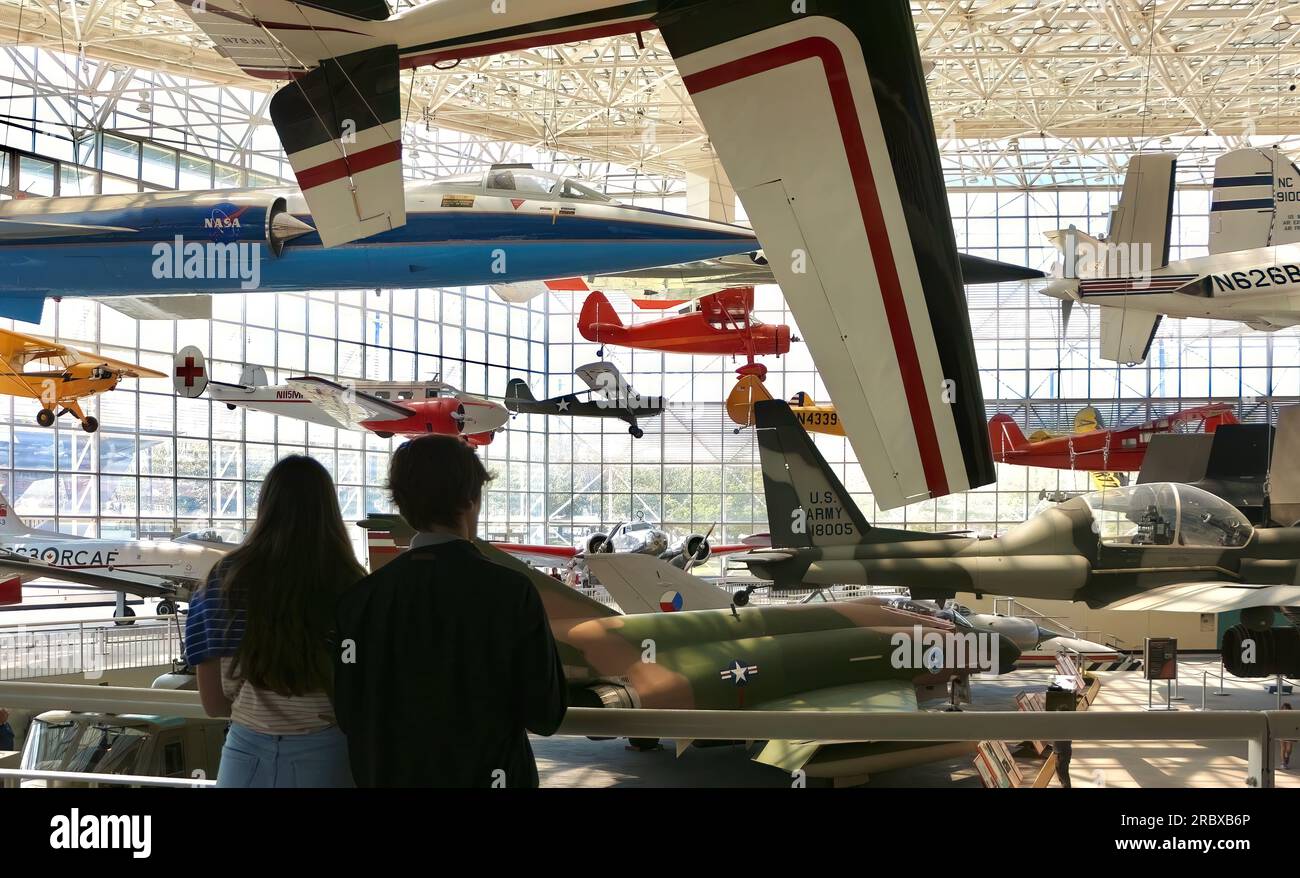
x: 453, y: 663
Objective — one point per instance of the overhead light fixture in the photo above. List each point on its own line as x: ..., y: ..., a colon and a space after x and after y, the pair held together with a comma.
x: 1280, y: 24
x: 146, y: 4
x: 1042, y: 28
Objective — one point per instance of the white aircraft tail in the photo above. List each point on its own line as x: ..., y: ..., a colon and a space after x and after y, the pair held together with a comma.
x: 1256, y: 201
x: 1284, y: 471
x: 11, y: 525
x: 189, y: 372
x: 645, y: 584
x: 1140, y: 225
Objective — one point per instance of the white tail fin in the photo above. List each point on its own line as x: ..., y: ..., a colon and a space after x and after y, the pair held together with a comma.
x: 10, y: 523
x: 1256, y: 201
x: 1138, y: 240
x: 645, y: 584
x: 189, y: 372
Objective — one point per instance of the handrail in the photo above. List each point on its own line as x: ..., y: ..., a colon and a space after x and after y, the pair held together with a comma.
x: 95, y: 778
x: 99, y: 620
x: 1258, y: 728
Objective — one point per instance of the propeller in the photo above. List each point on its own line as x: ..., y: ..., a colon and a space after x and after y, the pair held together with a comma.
x: 691, y: 561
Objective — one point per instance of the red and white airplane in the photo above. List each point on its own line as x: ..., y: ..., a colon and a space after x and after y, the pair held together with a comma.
x: 846, y: 195
x: 385, y: 408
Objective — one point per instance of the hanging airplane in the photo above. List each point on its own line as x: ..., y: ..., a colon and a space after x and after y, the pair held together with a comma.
x: 1161, y: 546
x: 719, y: 323
x: 1251, y: 275
x: 816, y: 418
x: 385, y: 408
x: 843, y: 656
x: 507, y: 223
x: 672, y: 286
x: 165, y: 569
x: 389, y: 535
x: 608, y: 396
x: 1092, y: 448
x: 846, y: 193
x: 62, y: 377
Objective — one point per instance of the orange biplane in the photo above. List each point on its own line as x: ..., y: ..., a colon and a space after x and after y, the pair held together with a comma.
x: 61, y: 377
x: 719, y: 323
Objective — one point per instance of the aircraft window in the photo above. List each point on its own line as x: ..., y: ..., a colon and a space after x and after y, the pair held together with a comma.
x: 430, y: 394
x: 467, y: 180
x: 382, y: 394
x: 81, y: 746
x: 406, y: 394
x: 1165, y: 514
x: 574, y: 189
x: 521, y: 181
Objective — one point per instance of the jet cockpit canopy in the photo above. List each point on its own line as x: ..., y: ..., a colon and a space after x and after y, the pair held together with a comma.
x: 527, y: 181
x: 1167, y: 514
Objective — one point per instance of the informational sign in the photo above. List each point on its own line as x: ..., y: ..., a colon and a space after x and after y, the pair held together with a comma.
x: 1160, y: 656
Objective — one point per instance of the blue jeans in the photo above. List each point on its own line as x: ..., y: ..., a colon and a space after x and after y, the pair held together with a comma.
x: 254, y: 759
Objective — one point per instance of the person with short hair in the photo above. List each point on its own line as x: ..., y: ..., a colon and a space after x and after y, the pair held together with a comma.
x: 258, y: 635
x: 445, y: 658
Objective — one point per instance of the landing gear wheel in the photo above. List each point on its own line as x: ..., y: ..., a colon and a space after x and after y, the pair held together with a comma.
x: 127, y: 617
x: 45, y: 418
x: 91, y: 424
x: 600, y: 353
x: 741, y: 598
x: 166, y: 608
x: 636, y: 432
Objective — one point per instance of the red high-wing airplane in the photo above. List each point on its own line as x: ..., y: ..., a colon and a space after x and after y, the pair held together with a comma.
x: 719, y: 323
x: 1120, y: 449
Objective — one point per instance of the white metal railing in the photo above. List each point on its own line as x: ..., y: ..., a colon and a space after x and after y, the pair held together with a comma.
x: 86, y: 646
x: 12, y: 776
x: 1019, y: 609
x: 1259, y: 729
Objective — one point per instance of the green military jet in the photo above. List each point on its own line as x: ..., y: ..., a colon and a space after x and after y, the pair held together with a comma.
x: 861, y: 655
x: 1162, y: 546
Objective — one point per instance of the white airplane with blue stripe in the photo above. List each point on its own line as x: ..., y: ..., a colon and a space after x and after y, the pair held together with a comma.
x: 508, y: 224
x: 1251, y: 275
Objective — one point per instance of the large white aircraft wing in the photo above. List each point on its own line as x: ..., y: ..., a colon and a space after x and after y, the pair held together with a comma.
x: 847, y: 197
x: 27, y: 568
x: 1208, y: 597
x: 347, y: 404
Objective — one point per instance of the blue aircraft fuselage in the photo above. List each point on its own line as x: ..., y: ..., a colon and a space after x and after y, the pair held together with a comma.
x: 263, y: 240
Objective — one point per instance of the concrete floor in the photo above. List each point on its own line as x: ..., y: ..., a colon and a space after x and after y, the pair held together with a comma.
x: 577, y: 762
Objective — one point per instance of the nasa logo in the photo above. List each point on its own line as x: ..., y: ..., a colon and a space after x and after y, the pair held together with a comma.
x: 223, y: 222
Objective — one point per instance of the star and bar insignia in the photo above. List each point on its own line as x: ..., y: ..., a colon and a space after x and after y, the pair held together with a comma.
x: 739, y: 672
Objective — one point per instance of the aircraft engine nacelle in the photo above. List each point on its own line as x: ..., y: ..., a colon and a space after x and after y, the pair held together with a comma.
x: 209, y: 218
x: 695, y: 547
x: 1252, y: 653
x: 596, y: 543
x: 446, y: 416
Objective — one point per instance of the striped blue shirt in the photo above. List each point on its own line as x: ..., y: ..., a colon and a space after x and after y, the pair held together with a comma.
x: 209, y: 633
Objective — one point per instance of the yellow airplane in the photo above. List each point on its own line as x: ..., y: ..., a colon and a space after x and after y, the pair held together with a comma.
x: 814, y: 418
x: 62, y: 376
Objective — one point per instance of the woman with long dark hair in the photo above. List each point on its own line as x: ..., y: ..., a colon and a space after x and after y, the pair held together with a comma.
x: 258, y: 636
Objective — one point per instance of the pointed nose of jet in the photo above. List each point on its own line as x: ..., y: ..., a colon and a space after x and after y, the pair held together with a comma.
x: 1008, y: 654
